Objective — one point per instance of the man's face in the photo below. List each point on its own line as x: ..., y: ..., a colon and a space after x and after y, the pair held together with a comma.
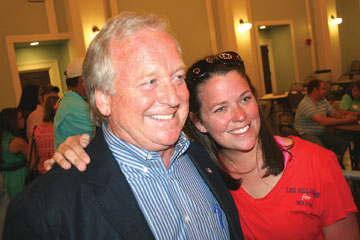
x: 321, y: 92
x: 150, y: 105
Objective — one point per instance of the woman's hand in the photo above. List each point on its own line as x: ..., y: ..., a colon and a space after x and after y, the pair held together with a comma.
x: 71, y: 152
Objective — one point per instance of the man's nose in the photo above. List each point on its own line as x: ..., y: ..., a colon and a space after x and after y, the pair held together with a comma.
x: 168, y: 94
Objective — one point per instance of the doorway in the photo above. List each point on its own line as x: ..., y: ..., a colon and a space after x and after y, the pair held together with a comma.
x: 34, y: 78
x: 276, y: 56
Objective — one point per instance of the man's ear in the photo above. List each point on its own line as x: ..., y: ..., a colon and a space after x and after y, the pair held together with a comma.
x: 197, y: 123
x: 103, y: 103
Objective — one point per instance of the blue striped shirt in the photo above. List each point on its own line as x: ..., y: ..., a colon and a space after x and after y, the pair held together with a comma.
x: 176, y: 202
x: 306, y: 110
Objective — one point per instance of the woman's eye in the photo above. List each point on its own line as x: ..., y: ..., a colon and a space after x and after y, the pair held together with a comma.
x: 151, y: 81
x: 246, y: 99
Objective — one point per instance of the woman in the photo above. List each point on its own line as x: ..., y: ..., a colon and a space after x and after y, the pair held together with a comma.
x: 281, y: 191
x: 13, y: 150
x: 350, y: 102
x: 44, y: 134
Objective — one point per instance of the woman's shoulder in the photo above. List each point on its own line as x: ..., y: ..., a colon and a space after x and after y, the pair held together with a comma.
x: 284, y: 141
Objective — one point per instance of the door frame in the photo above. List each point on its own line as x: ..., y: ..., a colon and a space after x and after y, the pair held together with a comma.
x: 257, y: 39
x: 267, y: 43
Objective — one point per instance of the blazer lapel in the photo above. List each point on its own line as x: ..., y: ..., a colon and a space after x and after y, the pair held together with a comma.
x: 211, y: 176
x: 113, y: 194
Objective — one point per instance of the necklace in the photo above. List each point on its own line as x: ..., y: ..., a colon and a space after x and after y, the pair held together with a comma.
x: 246, y: 172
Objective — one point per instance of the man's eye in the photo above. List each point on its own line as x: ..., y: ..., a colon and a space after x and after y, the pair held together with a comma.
x: 220, y: 109
x: 180, y: 77
x: 151, y: 81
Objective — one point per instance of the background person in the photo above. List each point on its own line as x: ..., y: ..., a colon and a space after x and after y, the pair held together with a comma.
x: 350, y: 102
x: 13, y: 150
x: 28, y: 100
x: 73, y: 113
x: 44, y: 134
x: 314, y: 114
x: 36, y: 117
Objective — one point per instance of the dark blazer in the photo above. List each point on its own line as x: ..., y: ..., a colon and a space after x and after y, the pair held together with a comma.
x: 97, y: 203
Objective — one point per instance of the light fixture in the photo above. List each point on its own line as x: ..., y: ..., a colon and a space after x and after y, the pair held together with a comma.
x: 335, y: 20
x: 95, y: 29
x: 34, y: 43
x: 262, y: 27
x: 244, y: 26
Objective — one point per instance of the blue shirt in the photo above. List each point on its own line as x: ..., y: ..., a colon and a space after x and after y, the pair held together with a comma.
x: 176, y: 202
x: 72, y: 118
x: 306, y: 110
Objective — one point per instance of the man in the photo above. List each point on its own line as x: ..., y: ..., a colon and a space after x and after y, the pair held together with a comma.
x: 36, y: 117
x: 315, y: 113
x: 73, y: 115
x: 145, y: 179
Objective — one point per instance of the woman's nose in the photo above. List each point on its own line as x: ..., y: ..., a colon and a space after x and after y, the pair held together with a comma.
x: 239, y: 114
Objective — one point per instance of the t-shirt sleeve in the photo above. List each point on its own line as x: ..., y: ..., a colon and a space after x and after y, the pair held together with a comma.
x: 338, y: 201
x: 345, y: 103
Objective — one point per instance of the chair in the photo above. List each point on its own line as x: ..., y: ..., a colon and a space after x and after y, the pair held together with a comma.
x: 294, y: 98
x: 297, y: 87
x: 355, y: 66
x: 287, y: 119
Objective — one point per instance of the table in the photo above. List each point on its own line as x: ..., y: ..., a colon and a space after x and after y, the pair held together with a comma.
x: 349, y: 127
x: 352, y: 129
x: 274, y: 97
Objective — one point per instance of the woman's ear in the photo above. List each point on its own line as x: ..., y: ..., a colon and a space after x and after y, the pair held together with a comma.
x: 103, y: 102
x: 197, y: 123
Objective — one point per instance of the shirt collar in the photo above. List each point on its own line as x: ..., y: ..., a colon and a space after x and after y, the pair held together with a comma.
x: 125, y: 149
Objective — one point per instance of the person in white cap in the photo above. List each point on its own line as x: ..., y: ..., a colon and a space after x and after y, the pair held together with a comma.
x: 73, y: 113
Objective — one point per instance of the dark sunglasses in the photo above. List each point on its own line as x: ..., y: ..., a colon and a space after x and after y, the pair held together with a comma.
x: 203, y: 67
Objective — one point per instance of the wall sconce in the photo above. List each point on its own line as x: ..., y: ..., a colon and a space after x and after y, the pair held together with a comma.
x: 95, y: 29
x: 335, y: 20
x: 244, y: 26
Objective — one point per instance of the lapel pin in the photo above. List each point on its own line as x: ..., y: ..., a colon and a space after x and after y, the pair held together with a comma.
x: 208, y: 170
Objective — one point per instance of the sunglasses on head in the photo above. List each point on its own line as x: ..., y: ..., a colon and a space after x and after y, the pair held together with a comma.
x: 203, y: 67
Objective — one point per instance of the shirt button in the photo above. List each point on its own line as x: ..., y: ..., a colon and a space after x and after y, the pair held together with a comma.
x: 187, y: 219
x: 145, y: 170
x: 148, y: 157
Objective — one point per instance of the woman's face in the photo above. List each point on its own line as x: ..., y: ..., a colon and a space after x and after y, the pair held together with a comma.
x: 229, y: 112
x: 355, y: 93
x: 21, y: 121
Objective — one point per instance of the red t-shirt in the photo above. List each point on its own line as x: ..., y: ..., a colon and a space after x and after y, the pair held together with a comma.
x: 311, y: 194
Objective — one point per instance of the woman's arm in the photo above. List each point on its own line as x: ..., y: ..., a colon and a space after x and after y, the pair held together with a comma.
x: 18, y: 145
x: 346, y: 228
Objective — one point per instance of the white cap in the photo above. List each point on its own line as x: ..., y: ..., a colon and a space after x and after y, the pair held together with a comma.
x: 74, y: 69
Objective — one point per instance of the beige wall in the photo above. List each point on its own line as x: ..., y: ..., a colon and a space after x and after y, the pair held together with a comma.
x: 188, y: 20
x: 17, y: 17
x: 273, y: 11
x: 202, y: 27
x: 349, y: 31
